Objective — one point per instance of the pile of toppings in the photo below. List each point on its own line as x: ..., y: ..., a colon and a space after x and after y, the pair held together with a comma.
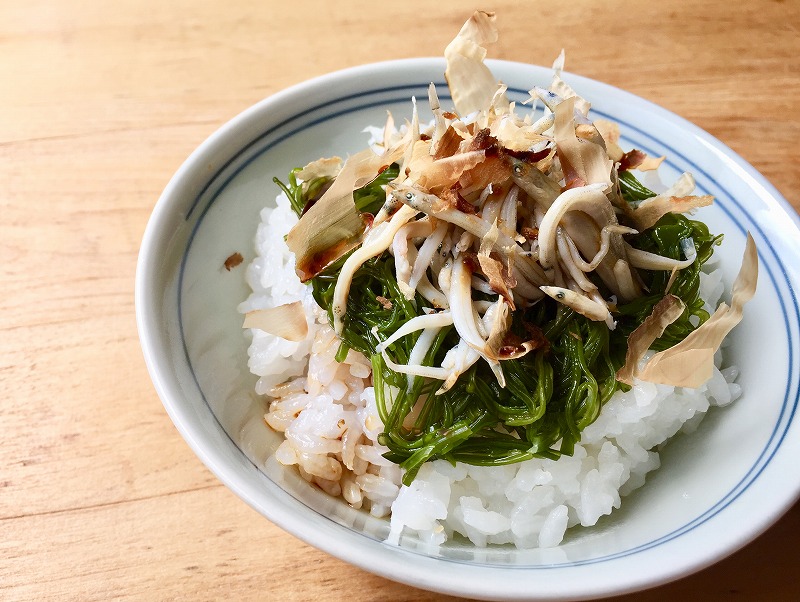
x: 504, y: 270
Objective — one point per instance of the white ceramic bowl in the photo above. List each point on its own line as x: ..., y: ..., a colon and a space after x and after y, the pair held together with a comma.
x: 717, y: 489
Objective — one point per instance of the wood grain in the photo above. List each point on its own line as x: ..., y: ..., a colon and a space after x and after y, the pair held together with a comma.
x: 100, y: 102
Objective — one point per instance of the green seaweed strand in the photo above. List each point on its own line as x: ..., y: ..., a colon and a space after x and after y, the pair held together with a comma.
x: 551, y: 393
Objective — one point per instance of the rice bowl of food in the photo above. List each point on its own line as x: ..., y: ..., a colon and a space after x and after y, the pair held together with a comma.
x: 434, y: 426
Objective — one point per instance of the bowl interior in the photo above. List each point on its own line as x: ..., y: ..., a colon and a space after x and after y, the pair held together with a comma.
x: 693, y: 511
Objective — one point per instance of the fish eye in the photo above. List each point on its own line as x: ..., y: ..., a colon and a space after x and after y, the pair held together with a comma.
x: 518, y: 168
x: 560, y: 295
x: 410, y: 196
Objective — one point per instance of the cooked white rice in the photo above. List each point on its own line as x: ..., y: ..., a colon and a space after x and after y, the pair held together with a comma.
x: 327, y: 413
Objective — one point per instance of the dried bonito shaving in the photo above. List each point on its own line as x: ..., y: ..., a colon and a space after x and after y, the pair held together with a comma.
x: 286, y: 321
x: 690, y: 362
x: 522, y: 207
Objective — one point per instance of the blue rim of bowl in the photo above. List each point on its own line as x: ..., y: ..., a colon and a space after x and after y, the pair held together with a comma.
x: 789, y: 405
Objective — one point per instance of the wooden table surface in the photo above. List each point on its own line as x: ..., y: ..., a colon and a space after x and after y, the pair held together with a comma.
x: 100, y: 102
